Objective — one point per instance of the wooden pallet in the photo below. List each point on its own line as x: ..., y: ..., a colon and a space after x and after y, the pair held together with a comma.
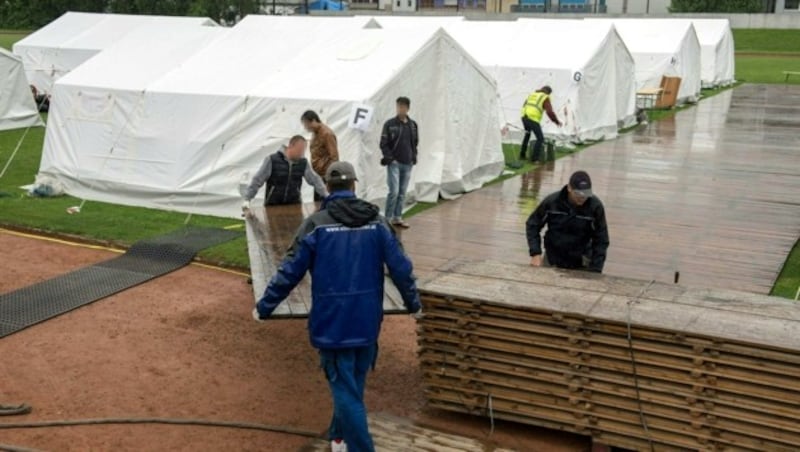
x: 703, y: 369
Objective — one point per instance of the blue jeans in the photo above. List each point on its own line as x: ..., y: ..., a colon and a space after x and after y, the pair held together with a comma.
x: 346, y: 371
x: 397, y: 175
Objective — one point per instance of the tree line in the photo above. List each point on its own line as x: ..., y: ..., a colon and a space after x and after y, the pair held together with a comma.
x: 33, y: 14
x: 718, y: 6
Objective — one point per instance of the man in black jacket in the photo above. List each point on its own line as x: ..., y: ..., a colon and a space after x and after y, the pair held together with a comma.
x: 399, y: 140
x: 283, y: 172
x: 577, y: 233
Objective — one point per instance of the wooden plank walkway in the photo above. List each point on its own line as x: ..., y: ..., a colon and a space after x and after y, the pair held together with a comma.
x: 391, y: 433
x: 713, y: 193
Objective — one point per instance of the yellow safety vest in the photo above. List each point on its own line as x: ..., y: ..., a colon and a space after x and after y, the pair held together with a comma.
x: 533, y: 108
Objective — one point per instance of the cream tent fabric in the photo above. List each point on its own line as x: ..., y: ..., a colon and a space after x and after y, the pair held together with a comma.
x: 588, y: 67
x: 717, y: 52
x: 663, y: 47
x: 17, y: 108
x: 73, y: 38
x: 184, y: 137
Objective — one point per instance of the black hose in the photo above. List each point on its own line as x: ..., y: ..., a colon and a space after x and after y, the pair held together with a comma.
x: 13, y: 448
x: 167, y: 421
x: 14, y: 410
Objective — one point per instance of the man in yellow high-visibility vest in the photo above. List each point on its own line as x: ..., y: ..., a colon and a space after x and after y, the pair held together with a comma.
x: 532, y: 111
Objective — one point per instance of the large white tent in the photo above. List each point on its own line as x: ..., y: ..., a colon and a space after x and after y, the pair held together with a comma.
x: 717, y: 52
x: 184, y: 138
x: 587, y: 66
x: 65, y: 43
x: 17, y: 108
x: 612, y: 47
x: 663, y: 48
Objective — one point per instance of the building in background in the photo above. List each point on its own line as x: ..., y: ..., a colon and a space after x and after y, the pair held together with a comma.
x: 613, y: 7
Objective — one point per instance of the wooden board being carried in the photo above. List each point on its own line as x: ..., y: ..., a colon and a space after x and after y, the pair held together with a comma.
x: 270, y: 233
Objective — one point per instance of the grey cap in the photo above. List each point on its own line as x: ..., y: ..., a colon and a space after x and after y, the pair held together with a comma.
x: 342, y: 171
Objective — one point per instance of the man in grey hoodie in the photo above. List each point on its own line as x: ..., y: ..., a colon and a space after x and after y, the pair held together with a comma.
x: 283, y: 172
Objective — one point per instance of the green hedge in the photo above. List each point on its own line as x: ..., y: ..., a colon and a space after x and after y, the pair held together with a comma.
x: 32, y: 14
x: 717, y: 6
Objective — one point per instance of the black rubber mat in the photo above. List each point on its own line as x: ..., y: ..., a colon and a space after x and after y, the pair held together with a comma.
x: 145, y: 260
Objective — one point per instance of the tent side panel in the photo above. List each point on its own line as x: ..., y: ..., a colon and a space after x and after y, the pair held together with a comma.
x: 474, y: 153
x: 17, y: 107
x: 689, y: 67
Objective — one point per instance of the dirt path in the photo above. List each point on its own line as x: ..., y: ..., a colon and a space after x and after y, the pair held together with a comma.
x: 184, y: 346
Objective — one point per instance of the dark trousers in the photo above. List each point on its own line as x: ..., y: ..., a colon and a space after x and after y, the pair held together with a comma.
x: 536, y: 128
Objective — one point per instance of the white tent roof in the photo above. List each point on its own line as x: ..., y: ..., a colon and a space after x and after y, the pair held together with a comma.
x: 717, y: 51
x: 182, y: 139
x: 663, y: 47
x: 588, y: 67
x: 143, y: 56
x: 17, y: 107
x: 73, y: 38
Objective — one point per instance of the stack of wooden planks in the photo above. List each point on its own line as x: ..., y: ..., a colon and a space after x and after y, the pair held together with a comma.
x: 634, y: 364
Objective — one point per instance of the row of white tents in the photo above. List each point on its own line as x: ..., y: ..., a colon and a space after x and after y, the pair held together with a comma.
x: 171, y: 116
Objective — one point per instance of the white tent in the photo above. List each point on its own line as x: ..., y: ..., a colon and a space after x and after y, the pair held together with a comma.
x: 663, y: 47
x: 17, y: 108
x: 605, y: 36
x: 717, y: 51
x: 588, y: 68
x: 184, y: 138
x: 65, y: 43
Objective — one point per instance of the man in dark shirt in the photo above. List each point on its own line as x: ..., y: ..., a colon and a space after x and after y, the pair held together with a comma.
x: 399, y: 140
x: 283, y: 173
x: 577, y: 233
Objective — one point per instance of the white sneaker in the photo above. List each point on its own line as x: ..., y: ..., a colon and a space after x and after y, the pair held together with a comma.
x: 338, y: 445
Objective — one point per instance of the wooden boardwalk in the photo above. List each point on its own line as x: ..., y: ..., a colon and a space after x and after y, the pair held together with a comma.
x: 713, y: 193
x: 391, y: 434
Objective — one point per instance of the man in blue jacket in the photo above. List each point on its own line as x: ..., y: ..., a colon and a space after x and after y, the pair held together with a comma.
x: 345, y: 246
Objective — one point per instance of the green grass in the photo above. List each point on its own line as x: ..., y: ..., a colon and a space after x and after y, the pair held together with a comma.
x: 761, y: 61
x: 656, y: 115
x: 788, y: 281
x: 766, y: 69
x: 101, y: 222
x: 9, y: 37
x: 766, y: 40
